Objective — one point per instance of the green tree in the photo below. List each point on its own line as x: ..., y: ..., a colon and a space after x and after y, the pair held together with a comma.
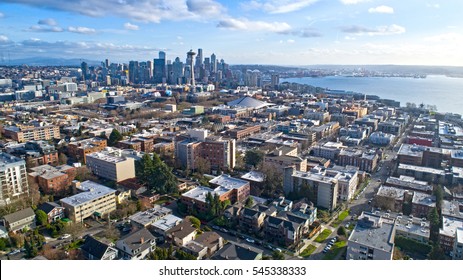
x: 439, y: 193
x: 277, y: 255
x: 249, y: 202
x: 342, y: 231
x: 436, y: 253
x: 434, y: 221
x: 62, y: 158
x: 253, y: 157
x: 42, y: 218
x: 156, y: 175
x: 114, y: 137
x: 181, y: 255
x: 273, y: 181
x: 195, y: 221
x: 4, y: 243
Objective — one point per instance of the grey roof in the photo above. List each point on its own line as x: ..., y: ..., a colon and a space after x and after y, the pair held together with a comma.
x: 374, y: 231
x: 94, y: 247
x: 250, y: 212
x: 182, y: 230
x: 208, y: 239
x: 47, y: 207
x: 233, y: 251
x: 19, y: 215
x: 133, y: 240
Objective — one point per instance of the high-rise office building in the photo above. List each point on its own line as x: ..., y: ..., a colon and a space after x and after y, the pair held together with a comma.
x: 150, y: 68
x: 133, y: 72
x: 85, y: 70
x: 199, y: 59
x: 177, y: 71
x: 159, y: 70
x: 213, y: 63
x: 162, y: 55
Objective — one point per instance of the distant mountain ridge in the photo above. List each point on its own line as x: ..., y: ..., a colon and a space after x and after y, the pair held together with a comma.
x: 48, y: 61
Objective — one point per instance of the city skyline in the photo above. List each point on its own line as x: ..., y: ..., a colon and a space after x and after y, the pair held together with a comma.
x: 303, y: 32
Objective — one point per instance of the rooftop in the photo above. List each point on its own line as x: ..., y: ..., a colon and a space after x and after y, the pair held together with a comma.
x: 424, y: 199
x: 450, y: 226
x: 392, y: 192
x: 151, y: 215
x: 232, y: 251
x: 89, y: 191
x: 374, y: 231
x: 228, y: 182
x: 408, y: 182
x: 254, y: 176
x: 422, y: 169
x: 106, y: 157
x: 167, y: 222
x: 6, y: 159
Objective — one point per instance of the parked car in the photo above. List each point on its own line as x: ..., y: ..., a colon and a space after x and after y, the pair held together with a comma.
x: 250, y: 240
x: 64, y: 236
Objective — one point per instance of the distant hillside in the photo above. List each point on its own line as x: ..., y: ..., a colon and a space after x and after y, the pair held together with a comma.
x: 47, y: 61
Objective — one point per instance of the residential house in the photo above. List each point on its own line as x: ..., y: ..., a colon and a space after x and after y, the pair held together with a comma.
x: 233, y: 251
x: 182, y: 233
x: 54, y: 211
x: 137, y: 245
x: 21, y: 219
x: 94, y: 249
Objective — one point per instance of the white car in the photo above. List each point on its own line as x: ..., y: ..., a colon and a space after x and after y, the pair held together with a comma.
x: 250, y: 240
x: 65, y: 236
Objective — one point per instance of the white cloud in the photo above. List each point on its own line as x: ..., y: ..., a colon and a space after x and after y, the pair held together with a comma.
x: 382, y: 10
x: 290, y: 41
x: 87, y: 49
x: 435, y: 6
x: 353, y: 2
x: 2, y: 14
x: 44, y: 28
x: 141, y: 10
x: 81, y: 30
x: 446, y: 38
x: 4, y: 39
x: 130, y: 26
x: 48, y: 21
x: 248, y: 25
x: 380, y: 30
x: 277, y: 6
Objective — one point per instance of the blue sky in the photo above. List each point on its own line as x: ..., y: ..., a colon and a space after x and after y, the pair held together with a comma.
x: 299, y: 32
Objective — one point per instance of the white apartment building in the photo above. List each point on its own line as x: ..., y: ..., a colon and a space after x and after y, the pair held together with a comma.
x: 93, y: 200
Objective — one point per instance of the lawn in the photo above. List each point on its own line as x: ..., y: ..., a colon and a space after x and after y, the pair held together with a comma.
x: 323, y: 235
x: 335, y: 250
x: 308, y: 251
x: 341, y: 218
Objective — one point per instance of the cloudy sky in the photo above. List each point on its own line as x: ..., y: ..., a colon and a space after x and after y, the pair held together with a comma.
x: 299, y: 32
